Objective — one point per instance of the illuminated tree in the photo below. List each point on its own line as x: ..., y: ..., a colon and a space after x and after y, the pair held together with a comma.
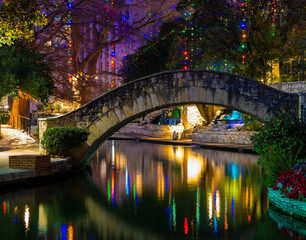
x: 243, y: 37
x: 23, y: 70
x: 24, y: 75
x: 79, y: 31
x: 19, y: 20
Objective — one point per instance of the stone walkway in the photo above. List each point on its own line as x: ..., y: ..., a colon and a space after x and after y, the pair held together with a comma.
x: 15, y: 142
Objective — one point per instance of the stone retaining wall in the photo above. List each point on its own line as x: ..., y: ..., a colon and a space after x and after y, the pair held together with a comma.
x: 290, y: 87
x: 152, y: 130
x: 230, y: 137
x: 60, y: 166
x: 294, y: 208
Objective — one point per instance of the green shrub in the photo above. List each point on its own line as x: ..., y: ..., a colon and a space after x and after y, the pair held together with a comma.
x: 49, y: 108
x: 57, y: 107
x: 284, y: 133
x: 59, y: 140
x: 275, y: 160
x: 4, y: 117
x: 250, y: 123
x: 280, y: 143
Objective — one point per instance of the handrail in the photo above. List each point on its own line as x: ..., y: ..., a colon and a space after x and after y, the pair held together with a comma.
x: 20, y: 122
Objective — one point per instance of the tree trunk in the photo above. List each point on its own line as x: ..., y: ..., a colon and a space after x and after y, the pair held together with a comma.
x: 207, y: 112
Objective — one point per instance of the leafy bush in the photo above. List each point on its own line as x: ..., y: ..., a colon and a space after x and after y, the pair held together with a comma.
x: 49, y: 108
x: 59, y: 140
x: 274, y: 161
x: 284, y: 133
x: 250, y: 123
x: 57, y: 107
x: 280, y: 143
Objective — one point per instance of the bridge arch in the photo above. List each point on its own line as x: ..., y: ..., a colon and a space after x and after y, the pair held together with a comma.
x: 108, y: 113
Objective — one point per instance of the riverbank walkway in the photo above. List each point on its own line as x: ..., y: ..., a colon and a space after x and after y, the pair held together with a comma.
x: 13, y: 143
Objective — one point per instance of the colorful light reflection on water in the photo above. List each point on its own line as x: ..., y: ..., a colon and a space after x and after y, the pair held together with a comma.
x: 148, y: 191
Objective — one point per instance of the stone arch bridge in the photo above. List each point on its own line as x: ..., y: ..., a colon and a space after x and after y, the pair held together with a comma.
x: 109, y: 112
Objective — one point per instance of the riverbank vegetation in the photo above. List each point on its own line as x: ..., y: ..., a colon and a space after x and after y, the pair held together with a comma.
x: 59, y: 140
x: 281, y: 145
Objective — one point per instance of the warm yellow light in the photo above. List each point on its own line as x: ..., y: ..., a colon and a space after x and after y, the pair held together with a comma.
x: 70, y: 231
x: 27, y: 217
x: 160, y: 182
x: 179, y: 154
x: 210, y: 206
x: 218, y: 204
x: 139, y: 183
x: 194, y: 169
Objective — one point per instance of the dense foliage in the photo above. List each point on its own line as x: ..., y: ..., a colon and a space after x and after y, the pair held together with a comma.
x: 283, y: 132
x: 80, y: 32
x: 275, y: 160
x: 281, y: 144
x: 251, y: 123
x: 19, y: 20
x: 239, y: 37
x: 148, y: 60
x: 24, y: 70
x: 59, y: 140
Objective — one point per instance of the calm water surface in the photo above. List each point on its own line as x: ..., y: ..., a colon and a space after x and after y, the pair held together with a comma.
x: 148, y: 191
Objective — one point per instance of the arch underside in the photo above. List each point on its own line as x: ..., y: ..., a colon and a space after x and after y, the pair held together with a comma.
x: 116, y: 121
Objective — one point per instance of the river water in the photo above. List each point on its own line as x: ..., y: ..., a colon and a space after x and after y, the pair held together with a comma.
x: 139, y: 190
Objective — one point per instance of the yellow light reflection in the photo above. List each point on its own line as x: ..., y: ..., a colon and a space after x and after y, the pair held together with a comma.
x: 27, y: 217
x: 160, y: 182
x: 218, y: 204
x: 210, y: 207
x: 194, y: 170
x: 179, y: 154
x: 139, y: 183
x: 70, y: 231
x: 42, y: 221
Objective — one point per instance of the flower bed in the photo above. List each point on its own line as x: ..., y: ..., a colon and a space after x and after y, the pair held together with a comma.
x: 293, y: 183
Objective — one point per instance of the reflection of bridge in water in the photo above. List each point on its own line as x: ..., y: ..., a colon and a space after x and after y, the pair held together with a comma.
x: 108, y: 113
